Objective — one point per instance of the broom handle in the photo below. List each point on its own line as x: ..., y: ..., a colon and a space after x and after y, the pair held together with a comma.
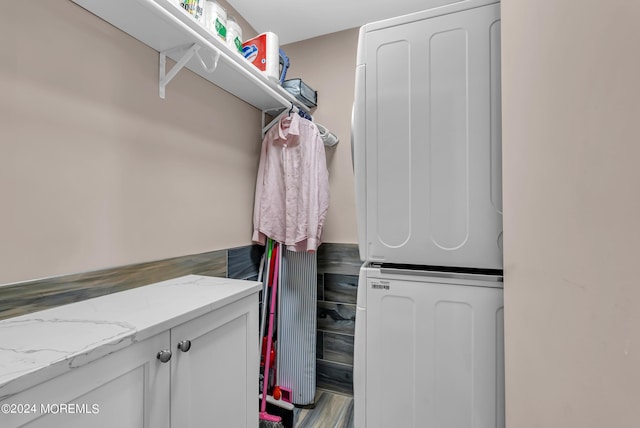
x: 265, y: 289
x: 267, y: 361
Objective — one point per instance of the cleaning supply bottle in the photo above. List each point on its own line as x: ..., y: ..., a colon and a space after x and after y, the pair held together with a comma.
x: 234, y: 34
x: 194, y: 8
x: 216, y: 19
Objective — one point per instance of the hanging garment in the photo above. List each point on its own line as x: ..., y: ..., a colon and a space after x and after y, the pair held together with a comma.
x: 292, y: 187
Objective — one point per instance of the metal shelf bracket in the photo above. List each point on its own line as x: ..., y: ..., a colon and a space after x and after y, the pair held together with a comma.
x: 209, y: 68
x: 194, y: 49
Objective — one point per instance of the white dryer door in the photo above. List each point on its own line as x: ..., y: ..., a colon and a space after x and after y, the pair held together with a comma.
x: 433, y: 143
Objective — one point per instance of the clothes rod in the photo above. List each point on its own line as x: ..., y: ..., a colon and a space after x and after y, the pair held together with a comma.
x: 292, y: 109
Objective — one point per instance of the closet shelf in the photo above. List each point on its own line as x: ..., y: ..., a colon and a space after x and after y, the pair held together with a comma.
x: 166, y: 28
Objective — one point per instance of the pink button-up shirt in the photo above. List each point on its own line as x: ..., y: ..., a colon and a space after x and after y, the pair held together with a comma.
x: 292, y: 188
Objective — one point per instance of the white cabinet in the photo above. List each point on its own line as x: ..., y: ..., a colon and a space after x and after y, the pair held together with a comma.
x: 209, y: 376
x: 127, y: 389
x: 215, y: 382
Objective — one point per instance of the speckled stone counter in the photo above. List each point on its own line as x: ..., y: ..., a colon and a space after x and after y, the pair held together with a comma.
x: 44, y: 344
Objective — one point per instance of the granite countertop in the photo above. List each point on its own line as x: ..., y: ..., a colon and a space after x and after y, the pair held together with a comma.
x: 41, y: 345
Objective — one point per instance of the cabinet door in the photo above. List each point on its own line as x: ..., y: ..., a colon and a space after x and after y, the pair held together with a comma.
x: 127, y: 389
x: 215, y: 382
x: 433, y: 149
x: 434, y: 354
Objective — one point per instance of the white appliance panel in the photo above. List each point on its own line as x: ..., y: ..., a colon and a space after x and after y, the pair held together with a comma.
x: 393, y: 87
x: 431, y: 351
x: 427, y: 146
x: 448, y: 139
x: 496, y: 120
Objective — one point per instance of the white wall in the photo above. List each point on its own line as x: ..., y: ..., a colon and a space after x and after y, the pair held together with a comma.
x: 571, y: 150
x: 327, y: 64
x: 95, y: 169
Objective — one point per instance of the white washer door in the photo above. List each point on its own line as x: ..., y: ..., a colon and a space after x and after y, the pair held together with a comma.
x: 434, y: 354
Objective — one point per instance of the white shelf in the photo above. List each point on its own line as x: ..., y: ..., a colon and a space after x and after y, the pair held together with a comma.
x: 165, y: 27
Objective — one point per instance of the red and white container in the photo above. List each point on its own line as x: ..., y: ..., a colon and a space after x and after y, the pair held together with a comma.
x: 263, y: 51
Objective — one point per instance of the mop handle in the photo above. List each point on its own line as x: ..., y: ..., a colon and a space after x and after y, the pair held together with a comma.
x: 268, y: 272
x: 267, y: 362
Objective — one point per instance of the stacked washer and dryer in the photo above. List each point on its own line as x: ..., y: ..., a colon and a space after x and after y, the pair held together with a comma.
x: 429, y: 347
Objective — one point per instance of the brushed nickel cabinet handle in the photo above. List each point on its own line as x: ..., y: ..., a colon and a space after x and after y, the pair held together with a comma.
x: 164, y: 355
x: 184, y: 345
